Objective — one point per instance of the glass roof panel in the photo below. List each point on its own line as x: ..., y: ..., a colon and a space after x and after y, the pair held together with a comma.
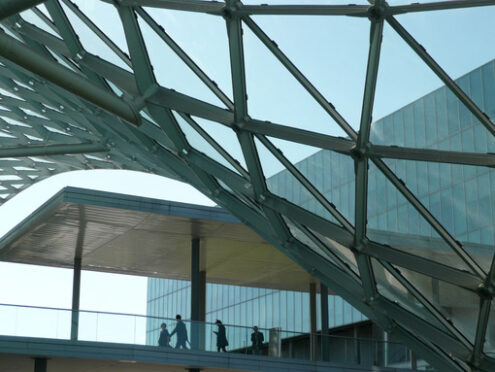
x: 394, y: 221
x: 200, y: 143
x: 287, y: 186
x: 331, y: 52
x: 31, y: 17
x: 392, y: 289
x: 106, y: 17
x: 225, y: 137
x: 402, y: 76
x: 275, y: 95
x: 439, y: 120
x: 457, y: 49
x: 445, y: 297
x: 91, y: 41
x: 203, y: 38
x: 303, y: 238
x: 344, y: 253
x: 460, y: 197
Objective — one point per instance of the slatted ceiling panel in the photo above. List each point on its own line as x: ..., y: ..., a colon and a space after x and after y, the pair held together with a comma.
x: 114, y: 216
x: 159, y: 245
x: 98, y: 234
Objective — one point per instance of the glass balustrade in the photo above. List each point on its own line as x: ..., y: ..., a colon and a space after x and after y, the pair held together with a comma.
x: 55, y: 323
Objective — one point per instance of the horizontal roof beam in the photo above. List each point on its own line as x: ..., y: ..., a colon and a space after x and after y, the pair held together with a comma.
x: 438, y: 156
x: 343, y: 10
x: 301, y: 136
x: 439, y: 5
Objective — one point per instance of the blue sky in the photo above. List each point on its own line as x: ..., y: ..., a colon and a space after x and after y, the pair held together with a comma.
x: 331, y: 51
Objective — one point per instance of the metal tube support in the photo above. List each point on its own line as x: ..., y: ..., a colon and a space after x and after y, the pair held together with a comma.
x: 312, y: 319
x: 11, y: 7
x: 83, y: 148
x: 325, y: 352
x: 198, y: 296
x: 23, y: 56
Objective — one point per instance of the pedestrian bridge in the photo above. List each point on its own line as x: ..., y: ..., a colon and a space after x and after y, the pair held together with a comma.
x: 38, y: 338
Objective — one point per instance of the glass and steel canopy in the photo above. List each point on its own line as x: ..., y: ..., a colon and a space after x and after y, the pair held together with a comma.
x: 109, y: 85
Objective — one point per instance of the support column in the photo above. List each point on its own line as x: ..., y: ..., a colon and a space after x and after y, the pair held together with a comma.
x: 76, y: 281
x: 40, y: 364
x: 325, y: 351
x: 198, y: 296
x: 357, y: 345
x: 414, y: 361
x: 76, y: 294
x: 312, y: 317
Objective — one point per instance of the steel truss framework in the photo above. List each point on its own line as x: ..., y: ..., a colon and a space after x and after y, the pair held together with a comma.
x: 64, y: 109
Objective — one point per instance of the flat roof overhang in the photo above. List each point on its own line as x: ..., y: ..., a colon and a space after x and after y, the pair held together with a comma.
x: 148, y: 237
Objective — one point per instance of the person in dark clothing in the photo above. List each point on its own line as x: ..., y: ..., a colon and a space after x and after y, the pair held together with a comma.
x: 181, y: 331
x: 221, y: 337
x: 164, y: 336
x: 257, y: 339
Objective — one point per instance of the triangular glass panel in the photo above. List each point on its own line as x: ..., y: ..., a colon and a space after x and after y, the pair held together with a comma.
x: 417, y: 110
x: 460, y: 197
x: 284, y: 184
x: 225, y: 137
x: 456, y: 49
x: 392, y: 220
x: 106, y: 17
x: 201, y: 143
x: 31, y: 17
x: 306, y: 240
x: 337, y: 71
x: 91, y: 41
x: 345, y: 254
x: 275, y: 95
x: 210, y: 55
x: 331, y: 173
x: 445, y: 297
x: 393, y: 290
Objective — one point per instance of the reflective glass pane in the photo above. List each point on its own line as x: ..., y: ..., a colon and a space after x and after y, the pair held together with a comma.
x: 459, y: 197
x: 203, y: 38
x: 392, y: 289
x: 275, y: 95
x: 445, y: 297
x: 394, y: 221
x: 91, y: 41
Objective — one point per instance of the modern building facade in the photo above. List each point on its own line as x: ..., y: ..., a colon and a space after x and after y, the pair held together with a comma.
x: 391, y: 219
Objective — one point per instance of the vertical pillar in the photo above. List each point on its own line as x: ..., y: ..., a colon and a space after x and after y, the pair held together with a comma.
x: 325, y: 352
x: 357, y: 345
x: 414, y: 361
x: 198, y: 296
x: 312, y: 317
x: 76, y: 295
x: 40, y: 364
x: 76, y: 281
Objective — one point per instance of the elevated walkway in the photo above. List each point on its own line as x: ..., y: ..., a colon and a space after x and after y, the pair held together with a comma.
x: 77, y: 356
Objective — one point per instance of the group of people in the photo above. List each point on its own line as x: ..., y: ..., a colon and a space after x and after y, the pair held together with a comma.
x: 180, y: 330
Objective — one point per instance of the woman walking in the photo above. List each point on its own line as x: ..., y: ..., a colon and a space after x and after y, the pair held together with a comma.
x: 221, y: 337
